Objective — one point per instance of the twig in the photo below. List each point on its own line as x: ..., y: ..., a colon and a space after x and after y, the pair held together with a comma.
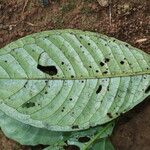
x: 31, y: 24
x: 110, y: 13
x: 141, y: 40
x: 25, y: 5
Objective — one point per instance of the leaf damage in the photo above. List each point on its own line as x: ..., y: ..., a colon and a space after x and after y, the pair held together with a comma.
x: 51, y: 70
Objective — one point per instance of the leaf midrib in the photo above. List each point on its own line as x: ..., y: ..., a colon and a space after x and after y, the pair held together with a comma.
x: 86, y: 78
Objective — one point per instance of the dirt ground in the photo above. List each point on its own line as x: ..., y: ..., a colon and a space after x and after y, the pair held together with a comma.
x: 127, y: 20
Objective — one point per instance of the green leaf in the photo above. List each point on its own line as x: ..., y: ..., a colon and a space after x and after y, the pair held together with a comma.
x: 29, y: 135
x: 84, y: 144
x: 67, y: 80
x: 103, y: 144
x: 54, y: 148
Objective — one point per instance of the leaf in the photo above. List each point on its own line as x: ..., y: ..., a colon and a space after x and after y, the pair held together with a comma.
x: 67, y: 80
x: 54, y: 148
x: 84, y: 144
x: 103, y: 144
x: 29, y: 135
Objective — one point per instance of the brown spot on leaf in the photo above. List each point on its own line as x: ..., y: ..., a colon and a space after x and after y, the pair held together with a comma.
x: 28, y: 105
x: 70, y: 99
x: 72, y: 76
x: 84, y: 139
x: 102, y: 64
x: 99, y: 89
x: 105, y: 72
x: 106, y: 60
x: 51, y: 70
x: 109, y: 115
x: 121, y: 62
x: 75, y: 127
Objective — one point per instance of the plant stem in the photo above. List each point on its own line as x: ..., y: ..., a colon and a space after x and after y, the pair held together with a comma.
x: 96, y: 136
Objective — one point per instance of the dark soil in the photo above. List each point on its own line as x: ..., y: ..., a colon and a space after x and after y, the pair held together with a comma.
x: 127, y: 20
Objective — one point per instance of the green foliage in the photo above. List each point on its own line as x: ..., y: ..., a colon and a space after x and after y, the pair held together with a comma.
x: 29, y: 135
x: 55, y: 85
x: 103, y: 144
